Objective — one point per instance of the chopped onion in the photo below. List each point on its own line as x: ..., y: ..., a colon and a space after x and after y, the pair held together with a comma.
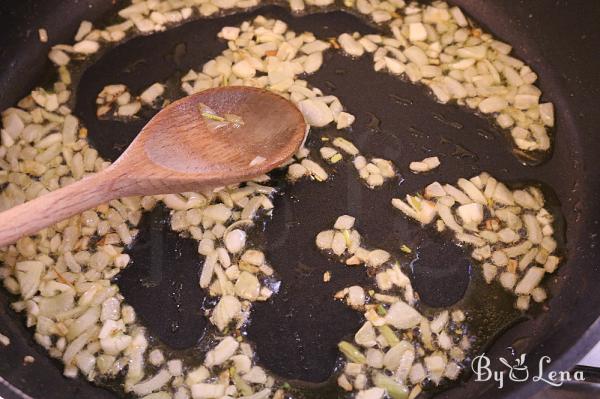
x: 402, y: 316
x: 221, y: 353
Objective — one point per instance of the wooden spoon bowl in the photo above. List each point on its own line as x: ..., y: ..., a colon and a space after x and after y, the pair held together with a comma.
x: 180, y: 144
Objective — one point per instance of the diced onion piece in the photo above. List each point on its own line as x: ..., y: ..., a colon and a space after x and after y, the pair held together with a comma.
x: 316, y: 113
x: 393, y: 356
x: 532, y: 278
x: 471, y: 214
x: 417, y: 32
x: 149, y: 95
x: 472, y: 191
x: 366, y: 335
x: 350, y: 45
x: 547, y: 114
x: 228, y: 308
x: 356, y: 296
x: 152, y: 384
x: 371, y: 393
x: 344, y: 222
x: 29, y: 274
x: 207, y: 391
x: 324, y: 239
x: 235, y: 240
x: 492, y: 105
x: 247, y: 286
x: 222, y: 352
x: 402, y: 316
x: 86, y: 47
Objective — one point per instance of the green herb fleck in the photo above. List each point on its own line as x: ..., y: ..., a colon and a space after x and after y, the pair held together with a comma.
x: 336, y: 158
x: 213, y: 117
x: 352, y: 352
x: 406, y: 249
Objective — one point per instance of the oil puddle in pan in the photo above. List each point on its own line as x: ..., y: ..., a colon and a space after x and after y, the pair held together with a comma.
x: 295, y: 334
x: 162, y: 282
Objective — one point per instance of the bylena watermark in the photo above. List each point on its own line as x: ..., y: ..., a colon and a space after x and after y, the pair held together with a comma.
x: 520, y: 372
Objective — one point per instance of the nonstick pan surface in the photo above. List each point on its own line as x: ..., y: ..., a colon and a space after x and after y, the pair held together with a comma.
x: 295, y: 333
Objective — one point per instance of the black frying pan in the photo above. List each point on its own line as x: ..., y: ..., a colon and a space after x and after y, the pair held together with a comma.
x: 296, y: 332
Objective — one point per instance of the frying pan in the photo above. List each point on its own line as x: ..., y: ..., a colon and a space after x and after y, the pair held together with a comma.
x: 295, y: 333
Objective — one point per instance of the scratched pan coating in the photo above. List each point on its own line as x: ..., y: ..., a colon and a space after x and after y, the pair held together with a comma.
x: 296, y: 332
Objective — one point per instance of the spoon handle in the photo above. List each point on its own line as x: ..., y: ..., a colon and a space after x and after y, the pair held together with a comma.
x: 32, y: 216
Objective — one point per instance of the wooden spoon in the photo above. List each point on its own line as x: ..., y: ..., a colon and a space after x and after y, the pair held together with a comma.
x: 178, y: 151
